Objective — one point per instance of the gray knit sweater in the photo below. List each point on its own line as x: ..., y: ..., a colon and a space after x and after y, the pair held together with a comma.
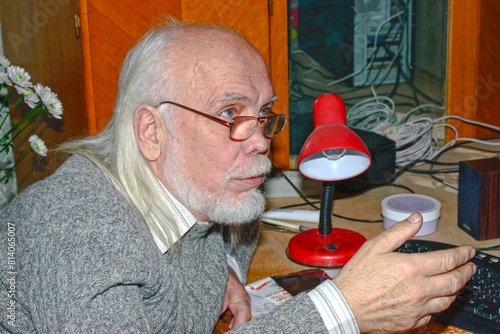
x: 75, y: 257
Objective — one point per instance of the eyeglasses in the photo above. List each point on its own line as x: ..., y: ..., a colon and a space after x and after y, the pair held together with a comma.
x: 243, y: 127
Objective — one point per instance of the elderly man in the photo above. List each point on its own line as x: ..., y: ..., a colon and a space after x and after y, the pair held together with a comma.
x: 149, y: 226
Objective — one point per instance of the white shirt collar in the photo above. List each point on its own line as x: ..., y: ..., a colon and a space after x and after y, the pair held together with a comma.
x: 184, y: 220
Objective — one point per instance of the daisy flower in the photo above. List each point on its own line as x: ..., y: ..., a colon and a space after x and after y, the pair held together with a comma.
x: 37, y: 145
x: 50, y: 100
x: 4, y: 62
x: 41, y: 90
x: 29, y: 95
x: 19, y: 76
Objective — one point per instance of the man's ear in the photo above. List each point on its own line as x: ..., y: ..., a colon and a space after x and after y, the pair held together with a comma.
x: 147, y: 129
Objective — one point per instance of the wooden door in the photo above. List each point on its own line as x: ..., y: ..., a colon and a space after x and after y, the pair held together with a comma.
x: 40, y: 36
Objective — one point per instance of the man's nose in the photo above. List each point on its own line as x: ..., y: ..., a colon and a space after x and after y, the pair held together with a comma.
x: 258, y: 142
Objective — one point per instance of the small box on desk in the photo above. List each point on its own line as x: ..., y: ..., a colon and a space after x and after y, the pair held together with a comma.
x: 479, y: 198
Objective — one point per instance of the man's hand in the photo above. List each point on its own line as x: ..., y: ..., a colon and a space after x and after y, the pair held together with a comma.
x: 395, y: 292
x: 237, y: 300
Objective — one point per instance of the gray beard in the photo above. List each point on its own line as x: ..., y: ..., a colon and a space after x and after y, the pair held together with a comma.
x: 216, y: 206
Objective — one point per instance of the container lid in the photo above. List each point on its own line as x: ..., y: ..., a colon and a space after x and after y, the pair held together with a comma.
x: 399, y: 207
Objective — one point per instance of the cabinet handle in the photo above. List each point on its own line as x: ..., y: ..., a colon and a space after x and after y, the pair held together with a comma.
x: 77, y: 26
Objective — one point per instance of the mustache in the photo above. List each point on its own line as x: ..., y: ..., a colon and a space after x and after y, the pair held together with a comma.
x: 260, y: 165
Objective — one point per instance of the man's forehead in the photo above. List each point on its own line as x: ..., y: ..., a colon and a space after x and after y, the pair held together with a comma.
x: 222, y: 70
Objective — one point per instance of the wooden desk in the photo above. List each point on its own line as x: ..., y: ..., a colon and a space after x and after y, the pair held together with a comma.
x: 270, y: 258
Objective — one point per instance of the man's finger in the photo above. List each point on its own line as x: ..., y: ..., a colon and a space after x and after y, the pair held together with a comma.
x: 441, y: 261
x: 396, y: 235
x: 241, y: 314
x: 451, y: 282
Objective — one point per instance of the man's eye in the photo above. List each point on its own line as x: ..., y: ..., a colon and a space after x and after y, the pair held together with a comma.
x: 228, y: 113
x: 265, y: 111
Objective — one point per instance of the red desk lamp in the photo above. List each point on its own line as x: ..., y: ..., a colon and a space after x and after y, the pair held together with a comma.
x: 332, y: 152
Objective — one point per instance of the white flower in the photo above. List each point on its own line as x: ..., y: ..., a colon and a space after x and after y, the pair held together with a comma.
x: 4, y: 78
x: 4, y: 62
x: 41, y: 90
x: 54, y: 106
x: 37, y: 145
x: 50, y: 100
x: 19, y: 76
x: 29, y: 95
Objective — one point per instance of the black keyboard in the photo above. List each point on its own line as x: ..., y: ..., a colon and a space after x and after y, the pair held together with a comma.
x: 477, y: 307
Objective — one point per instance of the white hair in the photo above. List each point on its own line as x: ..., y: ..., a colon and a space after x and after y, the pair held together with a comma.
x: 146, y: 77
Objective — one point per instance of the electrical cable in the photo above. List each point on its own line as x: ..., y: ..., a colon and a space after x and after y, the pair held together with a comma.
x: 436, y: 171
x: 313, y: 204
x: 388, y: 68
x: 371, y: 113
x: 317, y: 66
x: 434, y: 161
x: 416, y: 142
x: 378, y: 113
x: 454, y: 146
x: 419, y: 91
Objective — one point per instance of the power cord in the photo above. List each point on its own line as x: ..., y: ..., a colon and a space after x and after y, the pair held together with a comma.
x: 416, y: 141
x: 313, y: 204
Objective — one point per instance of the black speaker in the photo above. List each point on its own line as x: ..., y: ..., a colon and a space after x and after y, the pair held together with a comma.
x: 383, y: 167
x: 479, y: 198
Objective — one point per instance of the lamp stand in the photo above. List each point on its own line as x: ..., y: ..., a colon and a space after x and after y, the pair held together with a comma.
x: 325, y: 247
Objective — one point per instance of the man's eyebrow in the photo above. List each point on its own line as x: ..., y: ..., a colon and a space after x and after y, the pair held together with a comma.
x: 228, y: 97
x: 232, y: 97
x: 274, y: 99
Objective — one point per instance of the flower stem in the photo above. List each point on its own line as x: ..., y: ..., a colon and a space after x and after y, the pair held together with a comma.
x: 6, y: 97
x: 9, y: 111
x: 33, y: 114
x: 8, y: 172
x: 3, y: 105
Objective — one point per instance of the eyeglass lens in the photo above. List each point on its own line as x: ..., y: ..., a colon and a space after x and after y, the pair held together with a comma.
x: 243, y: 127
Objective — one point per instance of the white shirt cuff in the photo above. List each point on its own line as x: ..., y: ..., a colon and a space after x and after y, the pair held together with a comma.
x: 231, y: 262
x: 333, y: 309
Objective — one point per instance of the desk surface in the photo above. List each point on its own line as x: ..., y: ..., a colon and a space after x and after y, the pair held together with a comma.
x: 270, y: 258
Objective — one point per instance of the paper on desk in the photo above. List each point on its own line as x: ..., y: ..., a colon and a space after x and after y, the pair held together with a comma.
x: 266, y: 294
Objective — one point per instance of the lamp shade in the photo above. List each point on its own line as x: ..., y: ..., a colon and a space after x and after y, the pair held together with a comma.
x: 332, y: 152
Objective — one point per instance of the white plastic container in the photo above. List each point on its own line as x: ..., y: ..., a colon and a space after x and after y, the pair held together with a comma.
x: 396, y: 208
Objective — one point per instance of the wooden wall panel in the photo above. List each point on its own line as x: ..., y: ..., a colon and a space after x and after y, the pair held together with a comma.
x: 463, y: 45
x: 488, y: 84
x: 278, y: 41
x: 473, y: 77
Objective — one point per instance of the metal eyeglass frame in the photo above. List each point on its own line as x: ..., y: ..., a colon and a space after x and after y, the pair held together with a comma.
x: 230, y: 124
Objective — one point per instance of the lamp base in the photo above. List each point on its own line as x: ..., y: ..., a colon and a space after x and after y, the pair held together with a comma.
x: 334, y: 250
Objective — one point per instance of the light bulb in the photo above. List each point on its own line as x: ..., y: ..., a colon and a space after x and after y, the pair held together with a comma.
x: 334, y: 154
